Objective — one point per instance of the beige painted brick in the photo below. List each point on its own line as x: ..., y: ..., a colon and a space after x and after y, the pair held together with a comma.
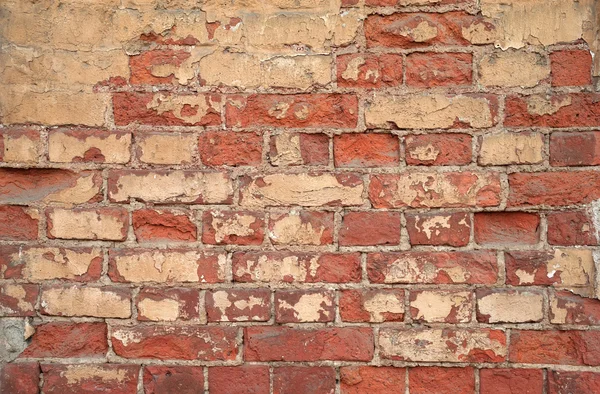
x: 509, y: 306
x: 436, y: 306
x: 166, y: 148
x: 513, y: 68
x: 511, y: 148
x: 66, y: 146
x: 109, y: 224
x: 23, y: 146
x: 86, y: 301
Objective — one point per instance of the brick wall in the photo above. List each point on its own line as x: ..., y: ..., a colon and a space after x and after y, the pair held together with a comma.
x: 299, y: 196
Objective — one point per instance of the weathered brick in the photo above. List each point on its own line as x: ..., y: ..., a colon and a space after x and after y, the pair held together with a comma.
x: 370, y: 228
x: 109, y: 224
x: 18, y: 299
x: 433, y: 267
x: 427, y: 70
x: 509, y: 306
x: 304, y: 306
x: 170, y: 304
x: 511, y: 148
x: 159, y: 67
x: 509, y: 381
x: 513, y: 68
x: 166, y: 148
x: 86, y: 301
x: 575, y: 149
x: 90, y: 378
x: 291, y: 267
x: 65, y: 339
x: 434, y: 190
x: 440, y: 380
x: 555, y: 347
x: 230, y: 148
x: 166, y: 109
x: 569, y: 308
x: 366, y: 150
x: 553, y: 188
x: 438, y: 149
x: 247, y: 379
x: 23, y: 186
x: 295, y: 111
x: 301, y: 228
x: 166, y: 266
x: 22, y: 378
x: 159, y: 379
x: 233, y: 227
x: 292, y: 380
x: 571, y: 228
x: 439, y: 228
x: 150, y: 225
x: 18, y: 223
x: 162, y: 187
x: 294, y: 149
x: 369, y: 70
x: 506, y: 228
x: 36, y: 264
x: 238, y: 305
x: 310, y: 190
x: 75, y: 146
x: 440, y: 306
x: 291, y: 344
x: 381, y: 380
x: 571, y: 67
x: 375, y: 306
x: 20, y: 146
x: 443, y: 345
x: 562, y: 110
x: 175, y: 342
x: 565, y: 382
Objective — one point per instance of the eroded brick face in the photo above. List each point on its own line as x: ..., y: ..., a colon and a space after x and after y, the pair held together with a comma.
x: 300, y: 197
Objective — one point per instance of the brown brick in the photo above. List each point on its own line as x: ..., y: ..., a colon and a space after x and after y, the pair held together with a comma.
x: 230, y: 148
x: 381, y: 380
x: 160, y: 379
x: 438, y: 149
x: 150, y: 225
x: 247, y: 379
x: 571, y: 67
x: 426, y: 70
x: 508, y: 381
x: 506, y: 228
x: 575, y: 149
x: 370, y: 228
x: 366, y: 150
x: 555, y: 347
x: 292, y: 380
x: 438, y: 380
x: 439, y: 229
x: 571, y: 228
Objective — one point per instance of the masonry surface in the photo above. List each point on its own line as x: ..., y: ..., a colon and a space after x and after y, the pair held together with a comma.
x: 299, y: 196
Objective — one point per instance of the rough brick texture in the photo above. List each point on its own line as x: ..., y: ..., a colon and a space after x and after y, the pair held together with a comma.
x: 300, y: 196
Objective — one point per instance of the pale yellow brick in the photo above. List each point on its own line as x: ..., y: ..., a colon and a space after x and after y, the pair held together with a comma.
x: 511, y: 148
x: 86, y: 301
x: 21, y: 147
x: 102, y: 224
x: 510, y: 306
x: 513, y: 68
x: 167, y: 148
x: 77, y: 146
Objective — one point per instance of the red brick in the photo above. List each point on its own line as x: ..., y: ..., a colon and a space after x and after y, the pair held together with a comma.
x: 160, y: 379
x: 175, y: 342
x: 187, y: 301
x: 440, y: 380
x: 565, y: 110
x: 299, y: 149
x: 247, y: 379
x: 23, y: 186
x: 569, y: 308
x: 150, y: 225
x: 303, y: 380
x: 427, y: 70
x: 65, y: 339
x: 142, y: 66
x: 230, y: 148
x: 300, y: 110
x: 90, y: 378
x: 18, y: 223
x: 478, y: 267
x: 571, y: 228
x: 435, y: 190
x: 291, y: 344
x: 553, y: 188
x: 166, y: 109
x: 289, y: 267
x: 438, y: 149
x: 380, y: 380
x: 238, y: 305
x: 376, y: 306
x: 301, y: 228
x: 20, y: 378
x: 304, y: 306
x: 510, y: 381
x: 18, y: 299
x: 439, y: 229
x: 571, y: 68
x: 369, y: 70
x: 233, y: 227
x: 370, y: 228
x: 555, y: 347
x: 566, y: 382
x: 366, y: 150
x: 397, y: 30
x: 575, y: 149
x: 506, y: 228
